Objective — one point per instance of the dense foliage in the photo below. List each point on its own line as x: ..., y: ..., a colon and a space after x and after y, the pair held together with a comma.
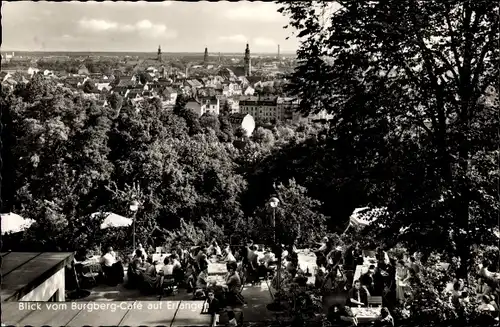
x: 65, y: 157
x: 411, y: 86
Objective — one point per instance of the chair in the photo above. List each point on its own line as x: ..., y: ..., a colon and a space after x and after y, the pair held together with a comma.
x: 375, y: 301
x: 91, y: 272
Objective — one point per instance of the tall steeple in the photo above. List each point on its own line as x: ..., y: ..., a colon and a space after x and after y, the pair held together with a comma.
x: 159, y: 53
x: 248, y: 62
x: 205, y: 57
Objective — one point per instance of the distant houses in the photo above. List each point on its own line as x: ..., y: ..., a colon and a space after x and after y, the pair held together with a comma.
x: 83, y: 70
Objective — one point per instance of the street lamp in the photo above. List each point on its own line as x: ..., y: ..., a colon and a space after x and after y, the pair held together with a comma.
x: 276, y: 305
x: 134, y: 206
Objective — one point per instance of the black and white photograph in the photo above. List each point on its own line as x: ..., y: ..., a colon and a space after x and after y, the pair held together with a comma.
x: 250, y: 163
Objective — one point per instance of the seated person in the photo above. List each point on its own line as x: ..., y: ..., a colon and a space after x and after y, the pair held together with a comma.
x: 385, y: 319
x: 201, y: 284
x: 485, y: 305
x: 149, y: 275
x: 367, y: 279
x: 202, y: 259
x: 233, y: 283
x: 487, y: 312
x: 456, y: 293
x: 140, y: 252
x: 214, y: 308
x: 229, y: 255
x: 214, y: 249
x: 341, y: 315
x: 482, y: 288
x: 167, y: 272
x: 300, y: 278
x: 177, y: 271
x: 180, y: 252
x: 109, y: 267
x: 320, y: 278
x: 134, y: 273
x: 358, y: 295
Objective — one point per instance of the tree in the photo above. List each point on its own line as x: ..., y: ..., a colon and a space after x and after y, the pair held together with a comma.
x: 144, y: 78
x: 298, y: 218
x: 211, y: 121
x: 61, y: 166
x: 115, y: 101
x: 89, y: 87
x: 405, y: 79
x: 268, y: 89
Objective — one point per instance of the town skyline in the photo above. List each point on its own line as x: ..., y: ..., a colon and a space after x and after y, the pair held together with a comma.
x: 140, y: 27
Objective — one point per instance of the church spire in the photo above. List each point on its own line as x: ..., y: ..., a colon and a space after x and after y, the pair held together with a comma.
x: 248, y: 62
x: 205, y: 57
x: 159, y: 53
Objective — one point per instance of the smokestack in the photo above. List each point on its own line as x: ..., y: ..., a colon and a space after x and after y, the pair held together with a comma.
x: 186, y: 72
x: 278, y: 51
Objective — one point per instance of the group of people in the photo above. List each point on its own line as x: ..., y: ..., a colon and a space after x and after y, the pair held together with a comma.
x: 383, y: 277
x: 111, y: 268
x: 486, y: 292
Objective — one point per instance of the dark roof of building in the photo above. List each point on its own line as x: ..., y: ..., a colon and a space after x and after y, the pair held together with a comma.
x: 22, y: 272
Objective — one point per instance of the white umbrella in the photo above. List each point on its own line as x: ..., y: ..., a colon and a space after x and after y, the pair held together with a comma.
x: 12, y: 223
x: 113, y: 220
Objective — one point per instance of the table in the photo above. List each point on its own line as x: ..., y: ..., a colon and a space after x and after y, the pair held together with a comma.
x: 219, y: 279
x: 365, y: 314
x: 160, y: 257
x: 217, y: 269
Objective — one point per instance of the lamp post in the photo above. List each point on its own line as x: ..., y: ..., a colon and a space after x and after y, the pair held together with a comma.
x: 276, y: 305
x: 134, y: 206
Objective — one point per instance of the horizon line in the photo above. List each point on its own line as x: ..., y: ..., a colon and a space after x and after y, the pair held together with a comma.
x: 135, y: 51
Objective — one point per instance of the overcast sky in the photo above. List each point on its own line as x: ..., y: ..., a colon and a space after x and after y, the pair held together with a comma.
x: 122, y: 26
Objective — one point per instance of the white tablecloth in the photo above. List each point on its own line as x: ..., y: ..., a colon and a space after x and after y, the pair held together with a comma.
x: 365, y: 314
x: 160, y: 257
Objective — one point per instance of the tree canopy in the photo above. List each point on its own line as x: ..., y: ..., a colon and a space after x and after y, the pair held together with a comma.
x: 413, y: 82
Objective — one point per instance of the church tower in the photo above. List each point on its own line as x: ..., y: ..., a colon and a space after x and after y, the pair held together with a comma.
x: 159, y: 53
x: 205, y: 57
x: 248, y: 62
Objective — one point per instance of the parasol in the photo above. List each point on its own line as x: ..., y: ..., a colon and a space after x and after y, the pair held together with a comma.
x: 13, y: 223
x: 113, y: 220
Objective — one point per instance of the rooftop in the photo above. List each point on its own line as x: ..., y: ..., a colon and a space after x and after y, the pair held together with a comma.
x: 24, y: 271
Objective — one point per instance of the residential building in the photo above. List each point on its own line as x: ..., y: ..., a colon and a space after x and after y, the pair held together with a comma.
x: 248, y: 90
x: 204, y: 105
x: 212, y: 105
x: 193, y: 84
x: 260, y: 107
x: 230, y: 89
x: 196, y: 106
x: 287, y: 108
x: 102, y: 84
x: 169, y: 96
x: 244, y: 121
x: 32, y: 71
x: 82, y: 70
x: 233, y: 105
